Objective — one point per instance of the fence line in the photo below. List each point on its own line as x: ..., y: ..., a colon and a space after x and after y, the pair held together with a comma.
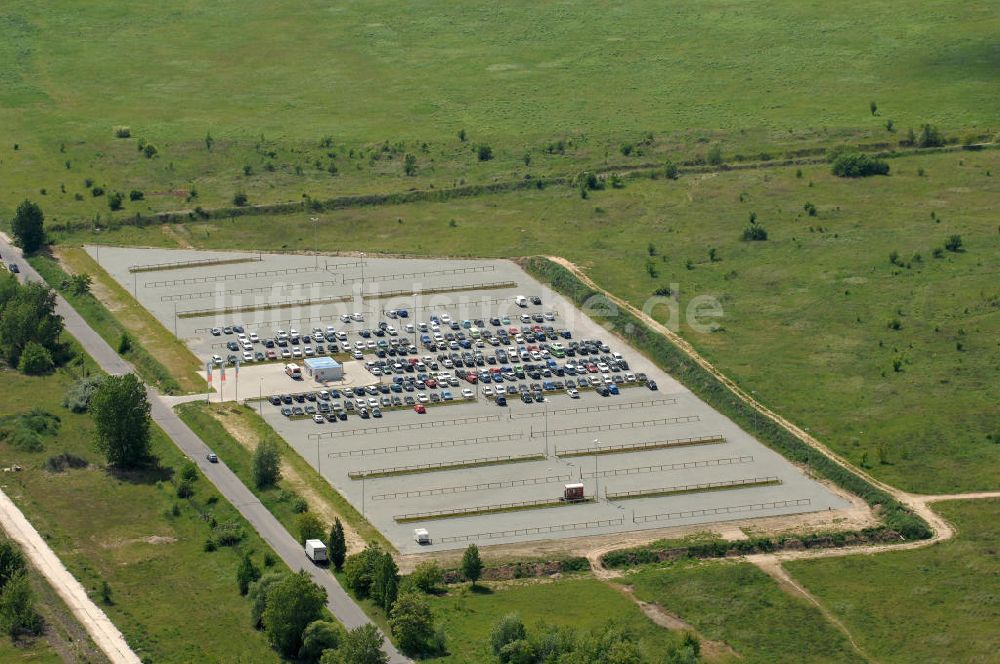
x: 201, y: 262
x: 309, y: 302
x: 539, y: 530
x: 485, y: 486
x: 731, y: 509
x: 693, y: 488
x: 623, y: 425
x: 177, y: 297
x: 227, y: 277
x: 444, y: 465
x: 638, y: 470
x: 482, y: 440
x: 488, y: 509
x: 414, y: 275
x: 639, y: 447
x: 621, y: 405
x: 426, y: 424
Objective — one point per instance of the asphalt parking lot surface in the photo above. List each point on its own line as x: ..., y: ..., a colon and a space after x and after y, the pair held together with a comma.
x: 511, y: 464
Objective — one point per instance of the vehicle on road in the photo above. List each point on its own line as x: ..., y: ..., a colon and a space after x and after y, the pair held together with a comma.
x: 212, y: 457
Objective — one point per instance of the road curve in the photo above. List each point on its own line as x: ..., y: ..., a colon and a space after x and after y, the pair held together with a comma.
x: 228, y: 484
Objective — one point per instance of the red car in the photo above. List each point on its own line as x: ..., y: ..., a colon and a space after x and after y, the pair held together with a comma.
x: 430, y: 382
x: 472, y: 377
x: 419, y: 408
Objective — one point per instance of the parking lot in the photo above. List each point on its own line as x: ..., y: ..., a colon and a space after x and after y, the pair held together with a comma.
x: 465, y: 410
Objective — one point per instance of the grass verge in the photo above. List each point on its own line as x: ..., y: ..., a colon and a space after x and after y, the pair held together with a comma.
x: 111, y: 329
x: 173, y: 601
x: 201, y: 417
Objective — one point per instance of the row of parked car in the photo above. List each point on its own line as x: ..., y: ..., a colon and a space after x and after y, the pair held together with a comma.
x: 365, y: 402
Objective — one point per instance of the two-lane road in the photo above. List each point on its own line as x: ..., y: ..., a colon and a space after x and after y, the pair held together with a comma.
x: 228, y: 484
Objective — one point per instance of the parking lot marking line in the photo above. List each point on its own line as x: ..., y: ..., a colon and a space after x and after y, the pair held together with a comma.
x: 445, y: 466
x: 426, y: 446
x: 479, y: 510
x: 622, y: 425
x: 485, y: 486
x: 625, y: 405
x: 538, y: 530
x: 714, y: 511
x: 624, y: 448
x: 703, y: 487
x: 686, y: 465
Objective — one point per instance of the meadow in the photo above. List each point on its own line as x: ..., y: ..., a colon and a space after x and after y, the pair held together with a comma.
x: 270, y: 81
x: 942, y: 602
x: 173, y: 601
x: 740, y: 605
x: 854, y: 323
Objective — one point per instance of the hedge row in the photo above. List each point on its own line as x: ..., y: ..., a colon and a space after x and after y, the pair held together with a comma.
x: 710, y: 389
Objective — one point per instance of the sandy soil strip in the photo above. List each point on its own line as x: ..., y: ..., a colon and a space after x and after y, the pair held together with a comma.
x: 96, y: 622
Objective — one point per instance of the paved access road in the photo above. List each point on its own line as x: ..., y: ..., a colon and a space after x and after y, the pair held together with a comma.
x: 228, y: 484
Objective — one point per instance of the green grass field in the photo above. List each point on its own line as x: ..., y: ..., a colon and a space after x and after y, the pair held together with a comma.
x: 806, y: 314
x: 581, y: 603
x: 740, y: 605
x: 940, y: 604
x: 173, y: 601
x: 518, y: 76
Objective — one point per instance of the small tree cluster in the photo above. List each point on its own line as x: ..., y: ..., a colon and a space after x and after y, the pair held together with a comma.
x: 858, y: 165
x: 265, y: 465
x: 28, y: 323
x: 18, y: 616
x: 121, y: 416
x: 27, y: 226
x: 373, y: 573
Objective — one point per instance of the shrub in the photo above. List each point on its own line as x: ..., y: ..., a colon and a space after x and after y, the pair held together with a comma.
x: 484, y: 152
x: 671, y: 171
x: 427, y: 576
x: 136, y: 195
x: 97, y: 192
x: 60, y: 462
x: 184, y: 489
x: 265, y: 465
x: 508, y: 629
x: 149, y: 151
x: 954, y: 244
x: 359, y: 569
x: 239, y: 199
x: 229, y: 533
x: 309, y: 527
x: 35, y: 359
x: 929, y: 137
x: 754, y: 233
x: 857, y: 165
x: 319, y: 635
x: 810, y: 209
x: 124, y: 343
x: 122, y: 131
x: 714, y: 156
x: 412, y: 623
x: 115, y: 201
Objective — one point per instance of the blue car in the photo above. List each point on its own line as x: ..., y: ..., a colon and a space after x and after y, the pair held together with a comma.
x: 612, y: 388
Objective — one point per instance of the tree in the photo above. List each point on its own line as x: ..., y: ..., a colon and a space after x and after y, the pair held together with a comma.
x: 79, y: 284
x: 35, y: 360
x: 11, y: 561
x: 246, y: 573
x: 291, y: 605
x: 17, y: 608
x: 484, y: 152
x: 27, y: 313
x: 337, y: 544
x: 519, y: 652
x: 929, y: 137
x: 412, y: 623
x: 427, y: 576
x: 265, y: 466
x: 385, y: 582
x: 508, y: 629
x: 461, y: 135
x: 121, y: 415
x: 309, y: 526
x: 359, y: 569
x: 754, y: 233
x: 472, y: 565
x: 27, y: 226
x: 361, y: 645
x: 873, y: 107
x: 124, y: 343
x: 858, y: 165
x: 240, y: 199
x: 410, y: 164
x: 258, y: 596
x: 318, y: 636
x: 115, y: 201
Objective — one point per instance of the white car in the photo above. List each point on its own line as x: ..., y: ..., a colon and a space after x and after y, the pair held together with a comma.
x: 282, y: 334
x: 630, y: 378
x: 216, y: 359
x: 247, y: 356
x: 573, y: 393
x: 357, y: 355
x: 345, y: 318
x: 318, y: 419
x: 487, y: 391
x: 286, y: 354
x: 254, y: 338
x: 422, y: 398
x: 468, y: 393
x: 373, y: 402
x: 296, y: 352
x: 358, y: 316
x: 445, y: 318
x: 409, y: 328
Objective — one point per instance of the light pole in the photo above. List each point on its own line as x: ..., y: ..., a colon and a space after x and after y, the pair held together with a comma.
x: 597, y: 478
x: 314, y: 220
x: 362, y: 282
x: 546, y: 427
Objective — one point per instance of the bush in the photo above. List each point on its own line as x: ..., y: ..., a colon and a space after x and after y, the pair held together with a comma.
x: 484, y: 152
x: 239, y: 199
x: 318, y: 636
x: 35, y: 360
x: 359, y: 569
x: 124, y: 343
x: 754, y: 233
x: 954, y: 244
x: 229, y: 533
x: 60, y: 462
x: 427, y: 576
x: 412, y: 623
x: 122, y: 131
x: 671, y: 171
x: 184, y: 489
x: 265, y: 465
x: 149, y: 151
x: 309, y: 527
x: 136, y: 195
x: 929, y: 137
x: 714, y: 156
x: 115, y: 201
x: 508, y: 629
x: 857, y: 165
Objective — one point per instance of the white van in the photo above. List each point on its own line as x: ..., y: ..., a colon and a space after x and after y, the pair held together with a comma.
x: 293, y: 371
x: 421, y: 536
x: 521, y: 301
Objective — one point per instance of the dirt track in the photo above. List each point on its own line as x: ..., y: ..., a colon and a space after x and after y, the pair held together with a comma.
x: 105, y: 635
